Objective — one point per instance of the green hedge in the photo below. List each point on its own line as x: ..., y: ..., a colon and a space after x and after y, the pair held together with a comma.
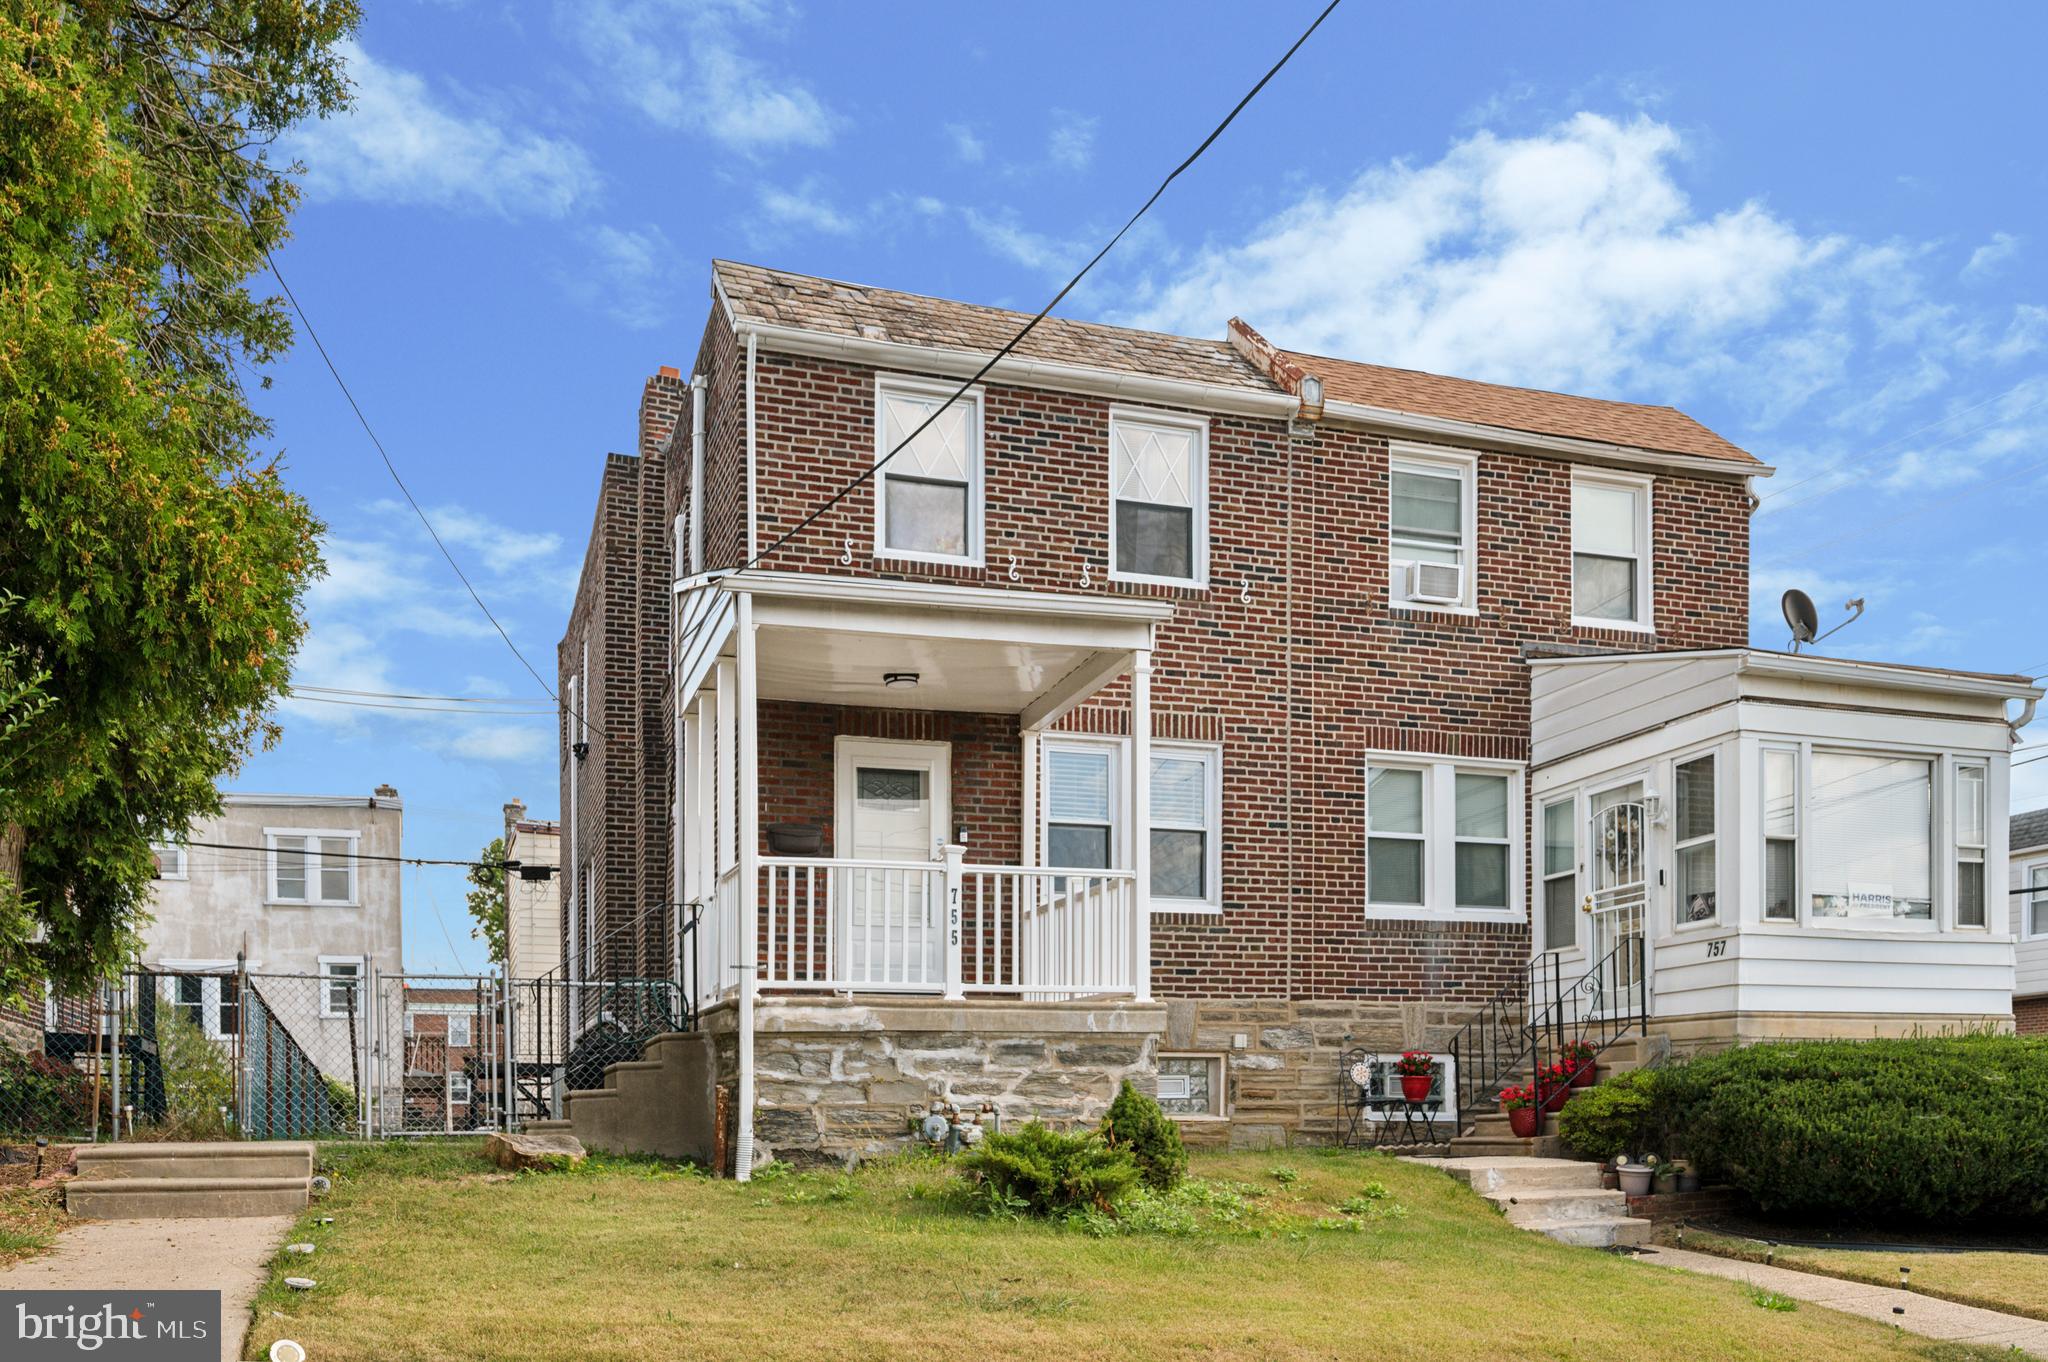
x: 1049, y: 1172
x: 1935, y: 1130
x: 1140, y: 1127
x: 1623, y: 1115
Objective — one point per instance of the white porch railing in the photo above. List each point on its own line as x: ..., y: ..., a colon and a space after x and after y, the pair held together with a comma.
x: 932, y: 927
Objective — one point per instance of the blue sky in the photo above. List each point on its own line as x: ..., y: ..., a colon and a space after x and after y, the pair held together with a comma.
x: 1819, y: 229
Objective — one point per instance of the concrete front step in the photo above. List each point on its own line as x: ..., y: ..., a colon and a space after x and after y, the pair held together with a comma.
x: 1483, y: 1147
x: 1496, y: 1176
x: 1620, y: 1233
x: 213, y: 1160
x: 132, y: 1198
x: 1541, y: 1205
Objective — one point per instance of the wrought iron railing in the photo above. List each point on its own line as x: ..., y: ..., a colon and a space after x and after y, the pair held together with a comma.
x: 1529, y: 1022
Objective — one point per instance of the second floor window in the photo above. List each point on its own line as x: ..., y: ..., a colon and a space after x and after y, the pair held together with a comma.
x: 1611, y: 550
x: 1430, y: 508
x: 928, y: 496
x: 306, y: 867
x: 170, y: 860
x: 1159, y: 516
x: 459, y: 1034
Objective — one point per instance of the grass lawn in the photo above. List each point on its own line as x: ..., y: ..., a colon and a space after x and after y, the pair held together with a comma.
x: 2016, y: 1283
x: 432, y: 1254
x: 29, y: 1220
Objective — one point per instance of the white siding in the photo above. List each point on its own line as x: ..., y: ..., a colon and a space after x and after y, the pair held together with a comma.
x: 2031, y: 976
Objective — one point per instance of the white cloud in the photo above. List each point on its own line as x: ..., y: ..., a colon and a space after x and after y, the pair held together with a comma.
x: 966, y: 145
x: 1005, y: 238
x: 1071, y: 145
x: 681, y: 63
x: 1987, y: 259
x: 625, y: 273
x: 402, y: 143
x: 807, y: 206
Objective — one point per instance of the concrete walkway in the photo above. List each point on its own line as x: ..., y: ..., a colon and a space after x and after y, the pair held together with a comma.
x: 1924, y: 1315
x: 228, y: 1256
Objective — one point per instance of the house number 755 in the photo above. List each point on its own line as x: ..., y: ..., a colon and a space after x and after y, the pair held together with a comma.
x: 953, y: 919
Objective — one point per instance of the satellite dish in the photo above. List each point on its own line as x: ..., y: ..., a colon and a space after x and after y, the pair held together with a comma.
x: 1801, y: 617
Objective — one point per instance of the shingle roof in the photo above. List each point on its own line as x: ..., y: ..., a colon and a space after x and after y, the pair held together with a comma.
x: 833, y: 307
x: 2029, y: 830
x: 1665, y: 429
x: 858, y: 310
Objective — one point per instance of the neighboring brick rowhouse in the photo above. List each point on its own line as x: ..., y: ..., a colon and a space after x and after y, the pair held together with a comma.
x: 1292, y: 658
x: 2030, y: 1016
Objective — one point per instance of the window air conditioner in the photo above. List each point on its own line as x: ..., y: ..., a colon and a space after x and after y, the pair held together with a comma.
x: 1439, y: 583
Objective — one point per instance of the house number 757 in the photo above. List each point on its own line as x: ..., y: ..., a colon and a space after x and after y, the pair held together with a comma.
x: 1715, y: 948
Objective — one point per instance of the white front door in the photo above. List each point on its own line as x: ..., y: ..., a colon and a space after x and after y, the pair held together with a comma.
x: 894, y: 808
x: 1617, y: 952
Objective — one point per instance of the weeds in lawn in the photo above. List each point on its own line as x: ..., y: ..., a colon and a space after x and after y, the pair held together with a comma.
x: 1284, y: 1175
x: 29, y: 1220
x: 814, y: 1189
x: 1771, y: 1300
x: 1372, y: 1202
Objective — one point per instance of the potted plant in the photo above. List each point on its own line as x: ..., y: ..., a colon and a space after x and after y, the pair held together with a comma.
x: 1580, y: 1052
x: 1635, y: 1177
x: 1417, y: 1069
x: 1525, y: 1119
x: 1555, y: 1080
x: 1688, y: 1176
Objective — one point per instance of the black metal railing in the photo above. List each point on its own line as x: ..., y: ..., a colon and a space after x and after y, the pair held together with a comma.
x: 1529, y: 1022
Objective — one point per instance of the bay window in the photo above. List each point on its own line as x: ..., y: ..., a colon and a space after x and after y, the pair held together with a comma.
x: 2037, y: 902
x: 1697, y: 900
x: 1610, y: 550
x: 1870, y: 838
x: 1970, y: 841
x: 928, y: 495
x: 1781, y: 834
x: 1560, y: 874
x: 1158, y: 478
x: 1442, y: 837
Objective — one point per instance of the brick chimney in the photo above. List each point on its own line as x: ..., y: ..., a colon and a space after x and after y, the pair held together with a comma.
x: 1268, y: 359
x: 386, y: 792
x: 662, y: 404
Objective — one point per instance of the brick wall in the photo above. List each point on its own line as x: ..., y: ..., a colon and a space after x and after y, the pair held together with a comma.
x: 2030, y: 1016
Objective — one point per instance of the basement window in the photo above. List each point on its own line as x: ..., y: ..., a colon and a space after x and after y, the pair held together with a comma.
x: 928, y: 495
x: 1191, y: 1086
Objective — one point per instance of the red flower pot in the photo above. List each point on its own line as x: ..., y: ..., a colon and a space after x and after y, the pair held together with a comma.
x: 1555, y: 1098
x: 1583, y: 1078
x: 1525, y: 1122
x: 1415, y: 1087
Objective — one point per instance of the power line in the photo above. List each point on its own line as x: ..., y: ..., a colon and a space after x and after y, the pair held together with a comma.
x: 869, y: 472
x: 427, y: 709
x: 367, y: 856
x: 313, y: 335
x: 452, y: 699
x: 1834, y: 464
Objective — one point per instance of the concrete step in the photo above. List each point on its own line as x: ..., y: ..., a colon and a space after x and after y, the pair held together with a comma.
x: 1502, y: 1175
x: 1484, y: 1147
x: 1622, y: 1232
x: 213, y: 1160
x: 1532, y: 1205
x: 181, y: 1197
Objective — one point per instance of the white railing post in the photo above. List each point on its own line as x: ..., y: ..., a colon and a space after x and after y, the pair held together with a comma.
x: 747, y: 833
x: 1141, y: 820
x: 954, y: 938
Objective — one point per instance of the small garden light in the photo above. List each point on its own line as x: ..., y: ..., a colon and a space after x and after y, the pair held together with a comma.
x: 1905, y: 1277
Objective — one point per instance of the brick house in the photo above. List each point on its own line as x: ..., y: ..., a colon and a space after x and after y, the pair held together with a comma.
x: 1399, y: 664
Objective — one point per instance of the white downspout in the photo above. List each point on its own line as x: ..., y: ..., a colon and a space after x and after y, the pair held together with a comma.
x: 698, y: 384
x: 747, y: 778
x: 753, y: 343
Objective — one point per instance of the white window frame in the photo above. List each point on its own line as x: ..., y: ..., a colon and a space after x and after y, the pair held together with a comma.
x: 328, y: 980
x: 210, y: 974
x: 412, y: 1022
x: 1440, y: 838
x: 1539, y: 912
x: 1798, y: 837
x: 313, y: 866
x: 2033, y: 874
x: 1642, y: 485
x: 166, y: 849
x: 1119, y: 777
x: 1198, y: 550
x: 1436, y: 461
x: 1957, y: 846
x: 461, y: 1076
x: 909, y: 385
x: 1940, y: 839
x: 468, y: 1040
x: 1680, y: 923
x: 1218, y: 1085
x: 1211, y: 756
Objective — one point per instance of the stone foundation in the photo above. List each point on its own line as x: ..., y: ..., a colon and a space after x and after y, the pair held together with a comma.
x: 840, y: 1079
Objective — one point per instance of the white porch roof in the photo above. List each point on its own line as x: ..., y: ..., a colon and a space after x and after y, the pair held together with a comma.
x: 983, y: 650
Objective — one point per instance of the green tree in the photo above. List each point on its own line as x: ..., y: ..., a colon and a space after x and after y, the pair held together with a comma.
x: 160, y: 559
x: 487, y: 892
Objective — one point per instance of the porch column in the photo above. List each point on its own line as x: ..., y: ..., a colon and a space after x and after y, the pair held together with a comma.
x: 689, y: 841
x: 1141, y: 824
x: 749, y: 833
x: 1027, y: 838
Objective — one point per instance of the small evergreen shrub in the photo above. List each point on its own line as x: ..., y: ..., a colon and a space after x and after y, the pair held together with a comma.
x: 1044, y: 1172
x: 1624, y: 1115
x: 1139, y: 1125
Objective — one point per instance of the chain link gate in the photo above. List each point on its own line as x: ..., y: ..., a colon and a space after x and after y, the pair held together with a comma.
x: 438, y: 1055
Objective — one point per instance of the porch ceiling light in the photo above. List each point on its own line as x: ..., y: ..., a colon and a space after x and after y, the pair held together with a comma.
x: 900, y: 680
